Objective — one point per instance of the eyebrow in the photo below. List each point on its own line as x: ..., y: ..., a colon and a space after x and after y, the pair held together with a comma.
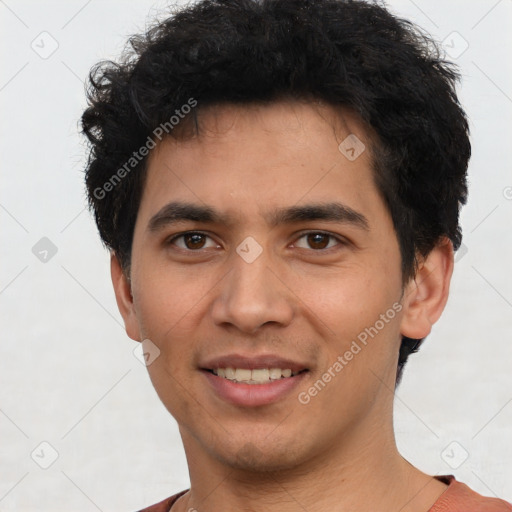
x: 177, y: 211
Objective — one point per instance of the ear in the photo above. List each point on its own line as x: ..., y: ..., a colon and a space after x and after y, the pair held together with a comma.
x: 124, y: 299
x: 426, y: 295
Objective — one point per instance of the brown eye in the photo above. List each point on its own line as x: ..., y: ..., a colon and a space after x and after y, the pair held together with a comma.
x: 319, y: 241
x: 194, y: 241
x: 191, y: 241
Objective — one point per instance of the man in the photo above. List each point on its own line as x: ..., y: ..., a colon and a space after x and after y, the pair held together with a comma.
x: 279, y: 184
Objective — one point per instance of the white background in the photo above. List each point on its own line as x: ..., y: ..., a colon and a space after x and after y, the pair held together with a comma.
x: 68, y: 373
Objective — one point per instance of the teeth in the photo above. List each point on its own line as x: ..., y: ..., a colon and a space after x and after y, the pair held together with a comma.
x: 275, y: 373
x: 260, y: 375
x: 242, y: 374
x: 256, y: 376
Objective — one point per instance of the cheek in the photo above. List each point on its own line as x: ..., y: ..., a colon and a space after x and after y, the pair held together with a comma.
x: 356, y: 304
x: 167, y: 309
x: 362, y: 315
x: 166, y: 299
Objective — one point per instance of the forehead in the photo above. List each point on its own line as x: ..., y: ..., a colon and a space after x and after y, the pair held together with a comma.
x: 247, y: 157
x: 289, y: 120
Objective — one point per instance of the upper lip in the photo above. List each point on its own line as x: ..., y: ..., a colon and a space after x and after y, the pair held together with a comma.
x: 252, y: 362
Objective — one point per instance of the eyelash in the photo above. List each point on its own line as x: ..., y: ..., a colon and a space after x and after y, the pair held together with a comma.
x: 341, y: 242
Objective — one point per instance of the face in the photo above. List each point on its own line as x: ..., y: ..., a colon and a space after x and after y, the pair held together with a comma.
x: 261, y: 245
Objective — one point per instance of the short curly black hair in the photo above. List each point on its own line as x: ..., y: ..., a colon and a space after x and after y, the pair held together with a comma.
x: 348, y: 53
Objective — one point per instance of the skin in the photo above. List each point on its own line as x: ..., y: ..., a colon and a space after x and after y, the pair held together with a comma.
x: 297, y: 299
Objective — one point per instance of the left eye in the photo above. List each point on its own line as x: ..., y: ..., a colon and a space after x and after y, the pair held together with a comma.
x: 191, y: 240
x: 319, y: 240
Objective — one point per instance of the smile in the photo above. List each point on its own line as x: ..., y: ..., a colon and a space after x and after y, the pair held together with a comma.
x: 255, y: 387
x: 255, y: 376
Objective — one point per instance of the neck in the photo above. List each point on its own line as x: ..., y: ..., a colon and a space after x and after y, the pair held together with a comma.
x: 363, y: 472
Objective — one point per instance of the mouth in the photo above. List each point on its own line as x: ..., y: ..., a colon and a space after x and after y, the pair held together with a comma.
x: 254, y: 376
x: 253, y: 381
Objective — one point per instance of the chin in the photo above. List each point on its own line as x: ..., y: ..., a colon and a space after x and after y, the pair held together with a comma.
x: 260, y: 457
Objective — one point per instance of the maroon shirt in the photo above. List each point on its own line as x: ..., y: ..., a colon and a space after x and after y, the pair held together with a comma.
x: 457, y: 497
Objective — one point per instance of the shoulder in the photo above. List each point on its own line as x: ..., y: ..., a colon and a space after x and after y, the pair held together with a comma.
x: 164, y: 505
x: 458, y: 497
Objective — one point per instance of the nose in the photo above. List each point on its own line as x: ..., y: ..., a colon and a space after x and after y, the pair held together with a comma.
x: 252, y: 295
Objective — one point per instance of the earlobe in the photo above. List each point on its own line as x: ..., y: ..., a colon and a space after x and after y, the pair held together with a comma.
x: 124, y: 298
x: 426, y: 295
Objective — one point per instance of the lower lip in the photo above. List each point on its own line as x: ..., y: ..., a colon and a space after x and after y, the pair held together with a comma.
x: 253, y: 395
